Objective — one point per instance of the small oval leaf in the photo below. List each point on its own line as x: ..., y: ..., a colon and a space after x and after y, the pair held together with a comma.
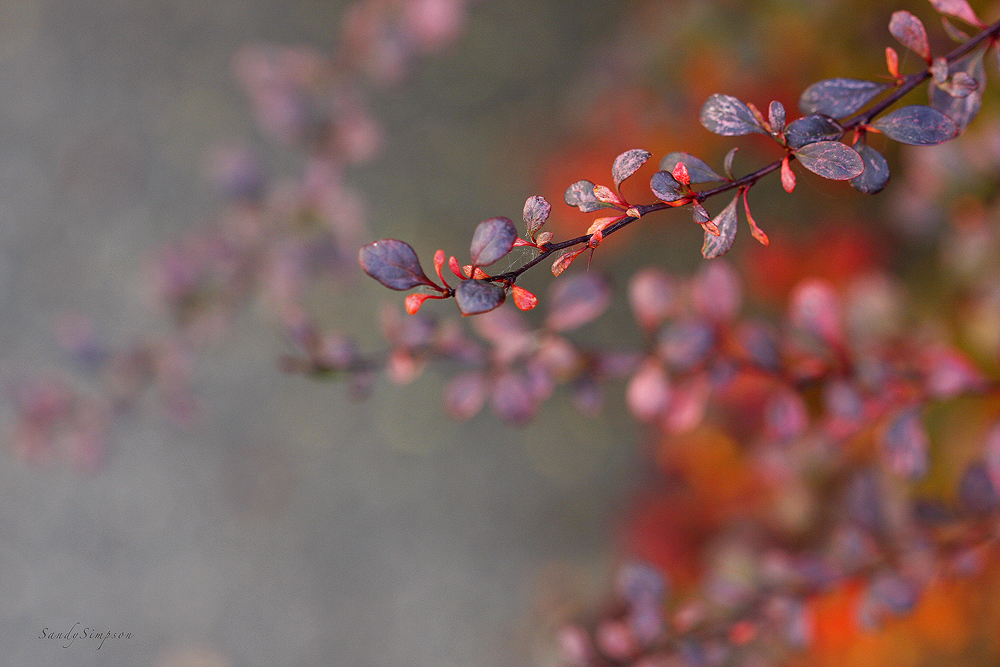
x: 716, y: 246
x: 960, y: 9
x: 536, y: 212
x: 776, y: 116
x: 810, y: 129
x: 581, y: 195
x: 917, y: 125
x: 840, y: 97
x: 910, y: 32
x: 665, y: 187
x: 393, y: 263
x: 492, y: 240
x: 698, y: 169
x: 628, y: 163
x: 831, y: 159
x: 876, y: 174
x: 478, y: 296
x: 727, y: 116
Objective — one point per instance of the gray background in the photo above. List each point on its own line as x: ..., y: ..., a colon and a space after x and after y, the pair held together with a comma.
x: 291, y: 526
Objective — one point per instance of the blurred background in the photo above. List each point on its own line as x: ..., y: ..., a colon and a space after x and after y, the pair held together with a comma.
x: 269, y: 519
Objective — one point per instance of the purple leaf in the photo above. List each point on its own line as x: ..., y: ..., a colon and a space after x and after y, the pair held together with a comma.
x: 716, y: 246
x: 727, y: 116
x: 905, y: 444
x: 576, y: 300
x: 686, y: 343
x: 876, y: 174
x: 910, y: 32
x: 839, y: 98
x: 536, y: 212
x: 581, y: 194
x: 776, y: 116
x: 478, y: 296
x: 831, y: 159
x: 727, y: 164
x: 393, y: 263
x: 917, y: 125
x: 699, y: 171
x: 493, y: 239
x: 512, y: 399
x: 960, y: 9
x: 465, y: 395
x: 628, y: 163
x: 948, y: 98
x: 665, y: 187
x: 810, y: 129
x: 976, y: 489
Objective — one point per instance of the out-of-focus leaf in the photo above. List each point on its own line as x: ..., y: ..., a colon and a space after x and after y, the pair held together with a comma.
x: 478, y: 296
x: 393, y: 263
x: 810, y: 129
x: 960, y: 9
x: 962, y: 109
x: 785, y: 416
x: 815, y: 309
x: 628, y: 163
x: 648, y: 392
x: 839, y: 98
x: 665, y: 187
x: 686, y: 343
x: 465, y: 395
x: 512, y: 399
x: 905, y: 444
x: 831, y: 159
x: 954, y: 33
x: 652, y: 293
x: 581, y: 194
x: 917, y: 125
x: 536, y: 212
x: 910, y: 32
x: 776, y: 116
x: 976, y: 490
x: 576, y: 300
x: 698, y: 169
x: 727, y: 116
x: 493, y: 239
x: 876, y: 174
x: 716, y: 246
x: 716, y: 292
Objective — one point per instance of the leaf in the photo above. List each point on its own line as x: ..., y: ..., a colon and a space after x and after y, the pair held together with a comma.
x: 962, y: 109
x: 523, y: 299
x: 787, y: 176
x: 628, y: 163
x: 698, y: 169
x: 581, y: 195
x: 465, y: 395
x: 755, y: 231
x: 776, y: 117
x: 652, y: 294
x: 493, y: 239
x: 954, y: 33
x: 960, y: 9
x: 564, y: 260
x: 876, y: 174
x: 892, y: 61
x: 393, y: 263
x: 577, y: 300
x: 536, y: 212
x: 905, y: 444
x: 839, y: 98
x: 917, y: 125
x: 665, y: 187
x: 831, y: 159
x: 727, y: 116
x: 478, y: 296
x: 716, y: 246
x: 810, y: 129
x: 910, y: 32
x: 727, y: 164
x: 601, y: 224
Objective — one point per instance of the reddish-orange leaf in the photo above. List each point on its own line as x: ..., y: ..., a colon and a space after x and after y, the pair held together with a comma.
x: 787, y: 175
x: 756, y: 231
x: 523, y: 299
x: 478, y: 274
x: 601, y: 223
x: 681, y: 174
x: 710, y: 227
x: 892, y: 61
x: 596, y: 238
x: 564, y: 260
x: 414, y: 301
x: 453, y: 265
x: 544, y: 238
x: 439, y: 264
